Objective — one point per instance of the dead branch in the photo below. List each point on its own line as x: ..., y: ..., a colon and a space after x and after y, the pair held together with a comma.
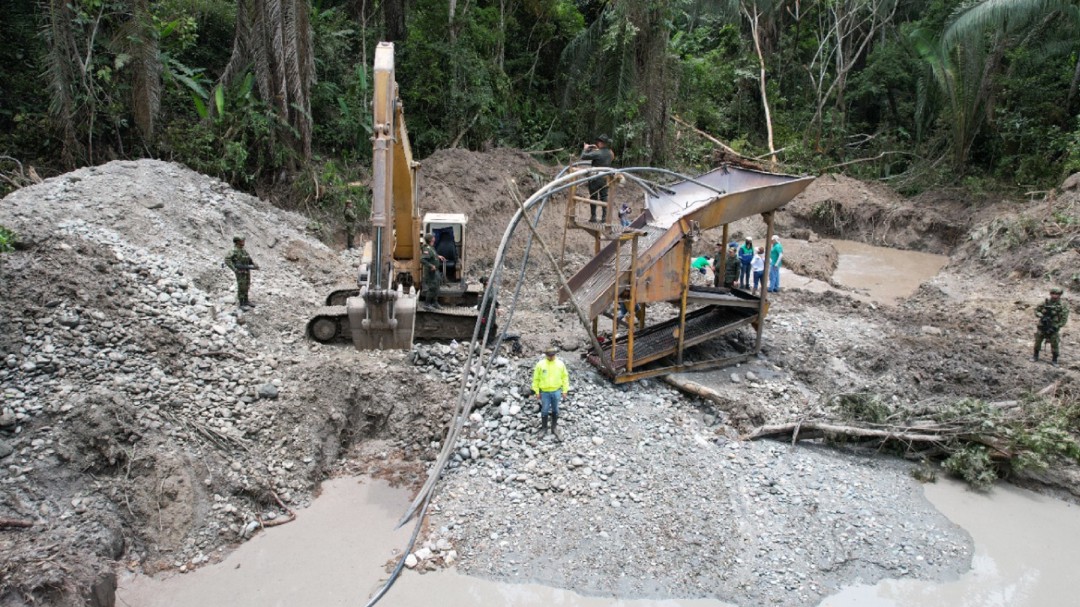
x: 712, y: 139
x: 290, y: 515
x: 15, y: 523
x: 858, y: 160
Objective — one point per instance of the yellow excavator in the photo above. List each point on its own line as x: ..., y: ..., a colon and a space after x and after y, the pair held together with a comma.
x: 382, y: 312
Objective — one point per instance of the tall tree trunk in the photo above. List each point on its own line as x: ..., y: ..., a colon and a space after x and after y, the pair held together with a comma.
x: 394, y: 19
x: 754, y: 16
x: 274, y: 37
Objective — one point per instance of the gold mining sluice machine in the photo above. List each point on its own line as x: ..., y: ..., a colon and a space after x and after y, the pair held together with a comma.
x: 648, y: 262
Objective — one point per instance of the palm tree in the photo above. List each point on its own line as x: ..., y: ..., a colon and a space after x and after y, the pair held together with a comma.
x: 968, y: 56
x: 623, y: 60
x: 274, y: 41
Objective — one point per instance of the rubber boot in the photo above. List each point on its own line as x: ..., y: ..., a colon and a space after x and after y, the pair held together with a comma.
x: 1053, y: 360
x: 555, y: 427
x: 1035, y: 357
x: 543, y: 424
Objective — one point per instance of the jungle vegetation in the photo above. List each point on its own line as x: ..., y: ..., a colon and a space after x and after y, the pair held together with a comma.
x: 273, y: 95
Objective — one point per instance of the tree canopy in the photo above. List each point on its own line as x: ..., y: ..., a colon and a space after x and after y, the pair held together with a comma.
x: 266, y: 93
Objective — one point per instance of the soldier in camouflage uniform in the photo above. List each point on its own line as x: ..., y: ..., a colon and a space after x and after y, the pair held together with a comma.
x: 601, y: 156
x: 1053, y: 314
x: 241, y: 264
x: 430, y: 262
x: 350, y: 223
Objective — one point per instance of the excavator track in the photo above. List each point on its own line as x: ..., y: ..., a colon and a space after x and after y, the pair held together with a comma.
x: 329, y: 324
x: 445, y: 322
x: 341, y: 294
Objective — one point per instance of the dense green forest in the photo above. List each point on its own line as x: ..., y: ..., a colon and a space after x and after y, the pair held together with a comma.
x: 274, y: 94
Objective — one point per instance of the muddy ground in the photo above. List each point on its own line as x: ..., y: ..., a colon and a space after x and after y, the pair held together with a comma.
x: 146, y: 423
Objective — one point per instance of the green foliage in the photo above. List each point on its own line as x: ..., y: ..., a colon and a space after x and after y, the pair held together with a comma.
x: 972, y: 463
x: 239, y: 144
x: 863, y: 407
x: 7, y: 240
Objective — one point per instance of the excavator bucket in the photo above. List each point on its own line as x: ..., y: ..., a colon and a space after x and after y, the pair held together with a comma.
x: 382, y: 320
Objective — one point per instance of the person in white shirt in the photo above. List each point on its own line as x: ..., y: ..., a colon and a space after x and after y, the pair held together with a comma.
x: 757, y: 266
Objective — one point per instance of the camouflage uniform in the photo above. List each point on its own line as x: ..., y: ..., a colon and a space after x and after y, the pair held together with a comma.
x: 731, y: 269
x: 598, y: 186
x: 429, y: 287
x: 241, y: 264
x: 1053, y: 314
x: 350, y: 223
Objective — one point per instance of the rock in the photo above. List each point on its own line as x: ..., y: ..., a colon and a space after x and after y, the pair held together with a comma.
x: 423, y: 554
x: 7, y: 418
x: 268, y: 390
x: 5, y: 449
x: 929, y: 330
x: 411, y: 561
x: 751, y: 376
x: 735, y: 378
x: 1072, y: 182
x: 69, y: 320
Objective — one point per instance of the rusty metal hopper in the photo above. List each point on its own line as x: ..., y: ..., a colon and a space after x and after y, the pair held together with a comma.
x: 719, y: 197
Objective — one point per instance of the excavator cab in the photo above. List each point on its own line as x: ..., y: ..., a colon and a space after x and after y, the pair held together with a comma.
x: 449, y: 231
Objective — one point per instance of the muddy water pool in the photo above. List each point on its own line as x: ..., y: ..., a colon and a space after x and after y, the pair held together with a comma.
x: 335, y: 552
x: 886, y: 275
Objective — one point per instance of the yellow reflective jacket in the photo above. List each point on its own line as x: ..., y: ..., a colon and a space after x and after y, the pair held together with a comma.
x: 550, y: 375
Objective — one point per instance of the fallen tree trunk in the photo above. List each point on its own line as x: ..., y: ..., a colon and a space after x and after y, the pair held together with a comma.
x: 793, y: 428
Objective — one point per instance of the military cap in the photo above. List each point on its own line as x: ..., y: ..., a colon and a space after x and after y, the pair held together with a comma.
x: 604, y: 139
x: 1056, y: 291
x: 238, y: 238
x: 550, y: 350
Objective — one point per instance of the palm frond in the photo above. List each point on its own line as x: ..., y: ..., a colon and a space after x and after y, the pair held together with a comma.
x: 972, y: 21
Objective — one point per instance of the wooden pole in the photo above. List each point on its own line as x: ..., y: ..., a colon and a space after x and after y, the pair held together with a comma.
x: 764, y: 294
x: 688, y: 243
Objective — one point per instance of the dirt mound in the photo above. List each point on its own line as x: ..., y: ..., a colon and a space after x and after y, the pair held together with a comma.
x: 141, y: 415
x: 1032, y: 239
x: 482, y: 185
x: 837, y: 206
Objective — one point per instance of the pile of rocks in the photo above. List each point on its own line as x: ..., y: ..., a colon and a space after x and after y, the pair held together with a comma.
x: 643, y: 498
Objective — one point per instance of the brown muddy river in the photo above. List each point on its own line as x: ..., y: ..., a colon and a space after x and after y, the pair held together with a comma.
x: 333, y: 554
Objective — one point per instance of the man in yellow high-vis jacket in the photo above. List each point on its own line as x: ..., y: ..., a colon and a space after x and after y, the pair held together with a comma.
x: 550, y: 383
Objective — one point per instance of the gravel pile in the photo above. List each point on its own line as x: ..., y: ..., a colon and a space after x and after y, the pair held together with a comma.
x: 648, y: 496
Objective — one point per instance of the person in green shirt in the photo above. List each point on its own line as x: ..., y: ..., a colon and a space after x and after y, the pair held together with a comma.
x: 700, y: 266
x: 550, y: 383
x: 776, y: 257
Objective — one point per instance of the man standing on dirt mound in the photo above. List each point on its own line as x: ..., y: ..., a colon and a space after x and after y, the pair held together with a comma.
x: 241, y: 264
x: 1053, y: 314
x: 601, y: 156
x: 550, y: 383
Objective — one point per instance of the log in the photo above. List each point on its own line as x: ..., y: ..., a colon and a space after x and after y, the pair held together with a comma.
x: 696, y: 389
x: 802, y: 426
x: 16, y: 523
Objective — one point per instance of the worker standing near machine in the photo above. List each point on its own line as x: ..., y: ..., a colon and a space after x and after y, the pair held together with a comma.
x: 239, y: 261
x: 601, y: 156
x: 429, y: 259
x: 550, y: 383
